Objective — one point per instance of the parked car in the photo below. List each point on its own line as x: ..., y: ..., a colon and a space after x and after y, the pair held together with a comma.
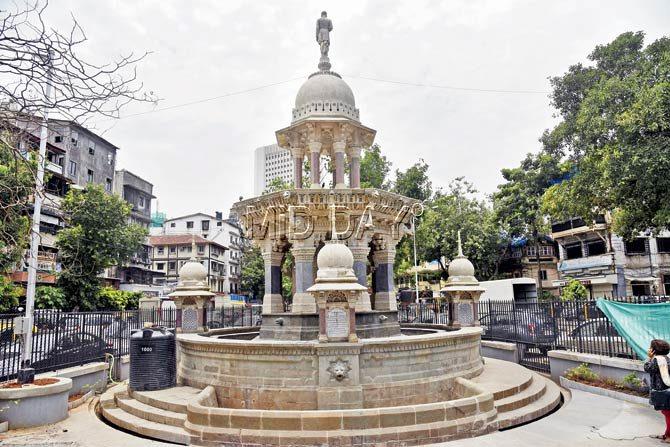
x: 600, y: 337
x: 85, y: 321
x: 74, y: 349
x: 535, y: 328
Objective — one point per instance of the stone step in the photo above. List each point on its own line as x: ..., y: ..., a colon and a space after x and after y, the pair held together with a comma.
x: 172, y: 399
x: 549, y: 400
x: 130, y: 422
x: 503, y: 379
x: 153, y: 414
x: 108, y: 398
x: 527, y: 396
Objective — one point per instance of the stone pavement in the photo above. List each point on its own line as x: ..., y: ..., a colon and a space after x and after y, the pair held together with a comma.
x: 588, y: 420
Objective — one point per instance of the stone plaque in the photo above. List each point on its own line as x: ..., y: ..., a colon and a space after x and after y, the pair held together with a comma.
x: 189, y: 319
x: 337, y: 323
x: 465, y: 314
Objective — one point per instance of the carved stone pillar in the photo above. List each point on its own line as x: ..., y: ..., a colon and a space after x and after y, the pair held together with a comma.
x: 453, y: 301
x: 272, y: 300
x: 355, y: 168
x: 315, y: 163
x: 384, y: 257
x: 338, y: 148
x: 303, y: 301
x: 360, y: 253
x: 297, y: 168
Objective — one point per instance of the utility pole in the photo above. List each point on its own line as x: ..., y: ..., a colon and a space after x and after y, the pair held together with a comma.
x: 416, y: 269
x: 26, y: 373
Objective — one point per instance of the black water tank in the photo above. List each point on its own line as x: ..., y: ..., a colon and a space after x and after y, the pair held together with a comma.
x: 153, y: 361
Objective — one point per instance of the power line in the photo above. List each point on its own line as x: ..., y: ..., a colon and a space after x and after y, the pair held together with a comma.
x: 387, y: 81
x: 449, y: 87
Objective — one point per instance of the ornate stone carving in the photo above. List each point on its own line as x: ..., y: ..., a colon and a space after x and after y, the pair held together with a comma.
x: 339, y: 369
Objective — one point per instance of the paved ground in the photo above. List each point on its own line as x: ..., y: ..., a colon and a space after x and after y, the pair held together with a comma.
x: 588, y: 420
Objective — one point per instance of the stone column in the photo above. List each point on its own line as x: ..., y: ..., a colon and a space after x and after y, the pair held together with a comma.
x: 338, y: 148
x: 453, y: 299
x: 297, y: 168
x: 303, y: 301
x: 355, y: 168
x: 315, y: 158
x: 360, y: 253
x: 272, y: 300
x: 384, y: 293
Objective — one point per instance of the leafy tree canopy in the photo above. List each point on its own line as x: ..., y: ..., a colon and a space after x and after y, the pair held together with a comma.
x: 375, y: 169
x: 414, y: 182
x: 97, y: 236
x: 614, y: 135
x: 252, y: 272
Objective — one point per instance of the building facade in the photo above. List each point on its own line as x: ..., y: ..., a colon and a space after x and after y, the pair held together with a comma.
x: 608, y: 265
x: 271, y: 162
x: 170, y: 252
x: 224, y: 232
x: 520, y: 260
x: 75, y: 157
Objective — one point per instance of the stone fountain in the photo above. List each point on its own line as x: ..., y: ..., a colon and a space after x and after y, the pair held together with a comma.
x: 337, y: 368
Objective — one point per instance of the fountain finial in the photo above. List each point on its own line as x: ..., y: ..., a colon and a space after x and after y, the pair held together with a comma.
x: 460, y: 248
x: 323, y: 28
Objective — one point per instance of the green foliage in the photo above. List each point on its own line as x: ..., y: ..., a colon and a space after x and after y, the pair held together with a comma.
x: 16, y: 186
x: 9, y: 294
x: 111, y: 299
x: 375, y: 169
x: 414, y: 182
x: 49, y: 297
x: 582, y: 373
x: 97, y: 236
x: 277, y: 184
x: 252, y: 272
x: 287, y: 268
x: 632, y: 381
x: 573, y: 290
x: 614, y: 136
x: 453, y: 210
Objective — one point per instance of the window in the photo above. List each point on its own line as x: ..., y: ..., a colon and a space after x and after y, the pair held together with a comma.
x: 89, y: 176
x: 160, y: 266
x: 172, y: 225
x: 58, y: 139
x: 201, y: 249
x: 173, y: 249
x: 160, y: 250
x: 171, y: 265
x: 546, y: 250
x: 543, y: 275
x: 74, y: 138
x: 636, y: 246
x: 108, y: 184
x: 595, y: 248
x: 663, y: 244
x: 530, y: 251
x: 189, y: 224
x: 91, y: 150
x: 218, y: 224
x: 573, y: 251
x: 204, y: 225
x: 140, y: 202
x: 110, y: 159
x: 72, y: 168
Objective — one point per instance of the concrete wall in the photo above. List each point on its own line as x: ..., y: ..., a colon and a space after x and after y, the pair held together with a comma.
x: 84, y: 378
x: 612, y: 367
x: 500, y: 350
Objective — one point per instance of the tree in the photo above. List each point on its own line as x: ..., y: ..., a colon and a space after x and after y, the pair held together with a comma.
x: 614, y: 135
x: 375, y: 168
x: 573, y: 290
x: 110, y: 298
x: 49, y: 297
x: 16, y: 185
x: 9, y: 295
x: 97, y: 236
x: 518, y: 202
x: 454, y: 210
x: 253, y: 272
x: 414, y: 182
x: 277, y: 184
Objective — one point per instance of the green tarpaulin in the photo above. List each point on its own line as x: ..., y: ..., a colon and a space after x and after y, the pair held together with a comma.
x: 638, y: 324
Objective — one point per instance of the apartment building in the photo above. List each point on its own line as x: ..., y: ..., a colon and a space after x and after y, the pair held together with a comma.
x: 608, y: 265
x: 519, y: 260
x: 75, y: 158
x: 225, y: 232
x: 171, y: 251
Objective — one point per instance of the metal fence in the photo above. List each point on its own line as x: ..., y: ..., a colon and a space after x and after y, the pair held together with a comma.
x: 64, y: 339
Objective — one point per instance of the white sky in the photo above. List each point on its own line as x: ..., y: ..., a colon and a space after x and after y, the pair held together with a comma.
x: 200, y: 157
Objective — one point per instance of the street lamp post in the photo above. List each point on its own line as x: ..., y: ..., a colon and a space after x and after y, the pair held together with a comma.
x: 416, y: 272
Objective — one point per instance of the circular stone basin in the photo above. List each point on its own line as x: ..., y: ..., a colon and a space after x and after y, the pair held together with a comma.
x: 257, y: 374
x: 34, y: 405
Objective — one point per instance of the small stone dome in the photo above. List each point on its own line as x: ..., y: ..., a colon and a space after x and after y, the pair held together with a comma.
x: 192, y: 272
x: 461, y: 266
x: 335, y: 255
x: 325, y: 94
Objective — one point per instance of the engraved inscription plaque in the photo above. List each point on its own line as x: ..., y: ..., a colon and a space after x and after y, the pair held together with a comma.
x: 337, y: 323
x: 189, y: 319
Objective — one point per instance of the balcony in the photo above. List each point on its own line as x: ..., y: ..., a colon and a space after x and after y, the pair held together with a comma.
x: 54, y: 167
x: 576, y: 226
x: 591, y: 263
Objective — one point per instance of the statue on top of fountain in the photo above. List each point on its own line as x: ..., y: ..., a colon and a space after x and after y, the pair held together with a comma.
x: 323, y: 28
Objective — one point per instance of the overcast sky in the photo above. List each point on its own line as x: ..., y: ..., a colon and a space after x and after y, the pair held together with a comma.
x: 200, y: 157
